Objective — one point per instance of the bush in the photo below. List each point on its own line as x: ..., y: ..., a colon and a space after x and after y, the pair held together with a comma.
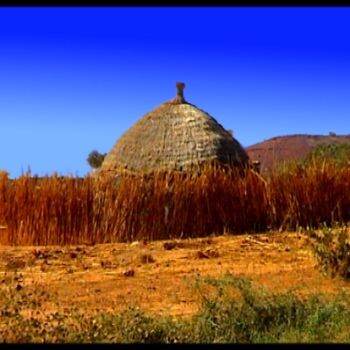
x: 95, y: 159
x: 332, y: 249
x: 338, y: 154
x: 260, y: 316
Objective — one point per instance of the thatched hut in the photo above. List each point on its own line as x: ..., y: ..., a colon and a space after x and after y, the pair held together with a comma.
x: 177, y: 135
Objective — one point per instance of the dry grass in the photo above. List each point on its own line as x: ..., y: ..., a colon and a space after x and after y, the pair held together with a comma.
x: 60, y: 211
x: 310, y: 196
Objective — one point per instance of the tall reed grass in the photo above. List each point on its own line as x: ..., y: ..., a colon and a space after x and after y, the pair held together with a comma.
x: 55, y: 210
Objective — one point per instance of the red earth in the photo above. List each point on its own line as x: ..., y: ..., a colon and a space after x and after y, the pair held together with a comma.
x: 159, y: 276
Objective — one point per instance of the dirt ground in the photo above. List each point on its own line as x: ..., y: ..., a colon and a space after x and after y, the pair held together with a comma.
x: 158, y: 276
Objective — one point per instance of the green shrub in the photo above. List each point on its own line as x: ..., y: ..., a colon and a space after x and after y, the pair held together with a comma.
x: 95, y: 159
x: 332, y: 249
x: 260, y: 316
x: 338, y: 154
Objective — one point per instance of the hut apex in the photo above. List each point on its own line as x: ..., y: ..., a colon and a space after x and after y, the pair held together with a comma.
x: 180, y: 93
x: 176, y: 135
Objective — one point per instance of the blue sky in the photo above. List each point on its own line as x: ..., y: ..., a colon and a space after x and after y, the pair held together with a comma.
x: 75, y: 79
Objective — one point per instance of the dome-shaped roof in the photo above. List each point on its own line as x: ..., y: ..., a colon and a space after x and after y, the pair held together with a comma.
x: 174, y: 136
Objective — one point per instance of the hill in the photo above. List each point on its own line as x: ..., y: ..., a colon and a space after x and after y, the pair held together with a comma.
x: 275, y: 151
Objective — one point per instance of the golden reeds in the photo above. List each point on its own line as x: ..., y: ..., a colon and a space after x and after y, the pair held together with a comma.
x: 163, y: 205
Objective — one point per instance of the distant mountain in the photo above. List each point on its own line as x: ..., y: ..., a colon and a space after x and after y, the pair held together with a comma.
x: 290, y: 147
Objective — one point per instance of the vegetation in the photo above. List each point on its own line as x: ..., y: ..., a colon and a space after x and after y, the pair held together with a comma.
x: 338, y: 154
x: 55, y: 210
x: 233, y: 311
x: 95, y: 159
x: 325, y: 154
x: 332, y: 249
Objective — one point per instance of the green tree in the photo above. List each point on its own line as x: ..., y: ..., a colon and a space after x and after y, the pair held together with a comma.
x: 95, y: 159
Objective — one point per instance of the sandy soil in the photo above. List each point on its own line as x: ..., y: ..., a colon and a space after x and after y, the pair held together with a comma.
x: 158, y: 276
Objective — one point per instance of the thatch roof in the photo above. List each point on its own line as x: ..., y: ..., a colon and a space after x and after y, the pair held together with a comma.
x: 174, y: 136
